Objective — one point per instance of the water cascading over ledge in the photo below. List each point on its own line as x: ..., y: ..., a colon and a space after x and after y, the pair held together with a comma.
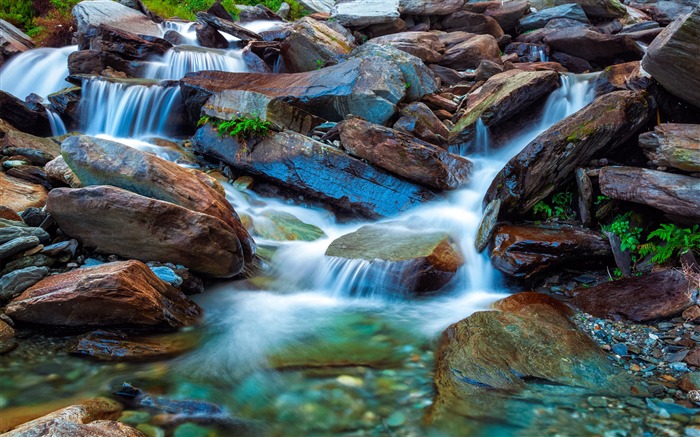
x: 123, y: 109
x: 186, y: 59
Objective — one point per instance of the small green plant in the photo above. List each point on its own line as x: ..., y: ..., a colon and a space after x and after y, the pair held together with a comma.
x: 319, y: 64
x: 601, y: 200
x: 244, y: 127
x: 560, y: 208
x: 407, y: 85
x: 674, y: 241
x: 629, y: 236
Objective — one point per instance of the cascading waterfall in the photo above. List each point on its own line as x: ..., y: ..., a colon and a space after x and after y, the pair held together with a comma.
x: 124, y: 110
x: 185, y: 29
x: 57, y: 125
x: 40, y: 71
x: 186, y: 59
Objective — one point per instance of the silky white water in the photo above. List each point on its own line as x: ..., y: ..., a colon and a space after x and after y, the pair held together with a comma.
x: 39, y: 71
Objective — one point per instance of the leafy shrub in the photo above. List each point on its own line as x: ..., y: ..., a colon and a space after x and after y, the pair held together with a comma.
x: 674, y: 241
x: 560, y: 208
x: 18, y: 12
x: 240, y: 128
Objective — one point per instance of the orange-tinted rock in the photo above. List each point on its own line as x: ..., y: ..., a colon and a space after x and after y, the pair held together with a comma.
x: 118, y: 294
x: 655, y: 295
x: 627, y: 76
x: 673, y: 145
x: 471, y: 52
x: 115, y: 221
x: 18, y: 194
x: 117, y: 346
x: 523, y: 251
x: 9, y: 214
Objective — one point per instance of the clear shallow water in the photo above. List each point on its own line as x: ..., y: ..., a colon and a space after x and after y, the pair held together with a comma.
x: 295, y: 350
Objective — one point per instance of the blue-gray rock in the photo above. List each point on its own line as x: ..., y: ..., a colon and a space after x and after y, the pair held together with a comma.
x: 540, y: 19
x: 168, y: 275
x: 18, y: 245
x: 11, y: 232
x: 14, y: 283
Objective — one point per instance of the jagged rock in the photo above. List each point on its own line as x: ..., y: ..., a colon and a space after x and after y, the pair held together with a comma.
x: 470, y: 22
x: 551, y: 159
x: 37, y: 150
x: 418, y: 80
x: 451, y: 39
x: 312, y: 44
x: 523, y: 251
x: 447, y: 76
x: 19, y: 195
x: 659, y: 294
x: 66, y: 103
x: 418, y: 120
x: 594, y: 46
x: 208, y: 36
x: 424, y: 45
x: 359, y: 13
x: 671, y: 58
x: 231, y: 104
x: 500, y: 98
x: 228, y: 26
x: 316, y: 170
x: 529, y: 337
x: 130, y: 46
x: 508, y: 14
x: 12, y: 41
x: 540, y: 19
x: 23, y: 117
x: 117, y: 294
x: 673, y: 145
x: 102, y: 162
x: 93, y: 13
x: 430, y: 7
x: 572, y: 63
x: 487, y: 225
x: 14, y: 283
x: 113, y: 220
x: 627, y: 76
x: 420, y: 261
x: 94, y: 62
x: 369, y: 88
x: 468, y: 54
x: 58, y: 173
x: 117, y: 346
x: 404, y: 155
x: 486, y: 70
x: 672, y: 193
x: 594, y: 8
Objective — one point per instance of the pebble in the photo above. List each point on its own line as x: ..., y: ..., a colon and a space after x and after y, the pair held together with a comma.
x: 150, y: 430
x: 620, y: 349
x: 597, y: 401
x: 396, y: 419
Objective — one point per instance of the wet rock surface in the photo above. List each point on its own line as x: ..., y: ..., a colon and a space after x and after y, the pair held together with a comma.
x: 673, y: 145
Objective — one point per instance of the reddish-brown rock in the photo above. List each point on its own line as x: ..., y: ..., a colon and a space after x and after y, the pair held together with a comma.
x: 473, y: 23
x: 418, y: 120
x: 118, y: 294
x: 468, y: 54
x: 19, y: 195
x: 424, y: 45
x: 115, y: 221
x: 404, y: 155
x: 659, y: 294
x: 523, y: 251
x: 593, y: 46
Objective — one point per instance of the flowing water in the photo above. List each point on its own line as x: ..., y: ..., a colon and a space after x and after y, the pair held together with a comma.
x: 314, y: 345
x: 39, y: 71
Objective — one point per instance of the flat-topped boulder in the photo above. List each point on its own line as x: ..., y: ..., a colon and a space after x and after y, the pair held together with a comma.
x: 540, y: 19
x: 118, y: 294
x: 526, y: 250
x: 418, y: 261
x: 430, y: 7
x: 599, y: 9
x: 369, y: 88
x: 359, y: 13
x: 671, y: 58
x: 552, y: 158
x: 115, y: 221
x: 469, y: 54
x: 594, y: 46
x: 316, y: 170
x: 673, y: 145
x: 404, y: 155
x: 674, y: 194
x: 93, y: 13
x: 424, y: 45
x: 500, y: 98
x: 97, y: 161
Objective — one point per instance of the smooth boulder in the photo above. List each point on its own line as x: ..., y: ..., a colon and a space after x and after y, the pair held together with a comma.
x: 115, y: 221
x: 96, y: 12
x: 404, y: 155
x: 594, y: 46
x: 358, y: 13
x: 312, y: 44
x: 117, y: 294
x: 522, y: 251
x: 417, y: 261
x: 424, y: 45
x: 655, y: 295
x: 675, y: 194
x: 673, y: 145
x: 370, y: 88
x: 316, y: 170
x: 469, y: 54
x: 552, y: 158
x: 672, y: 58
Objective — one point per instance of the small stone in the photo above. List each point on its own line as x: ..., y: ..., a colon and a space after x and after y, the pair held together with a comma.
x: 693, y: 358
x: 694, y: 397
x: 150, y: 430
x: 131, y: 417
x: 692, y: 314
x: 678, y: 367
x: 17, y: 245
x: 635, y: 368
x: 620, y: 349
x: 350, y: 381
x: 191, y: 430
x: 692, y: 431
x: 168, y: 275
x: 597, y: 401
x: 396, y: 419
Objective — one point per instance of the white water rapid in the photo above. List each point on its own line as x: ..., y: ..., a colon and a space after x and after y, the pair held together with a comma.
x: 38, y: 71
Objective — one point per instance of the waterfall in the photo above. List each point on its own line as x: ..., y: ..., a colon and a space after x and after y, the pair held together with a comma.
x: 185, y: 59
x: 121, y: 109
x: 57, y: 125
x: 185, y: 29
x: 40, y: 71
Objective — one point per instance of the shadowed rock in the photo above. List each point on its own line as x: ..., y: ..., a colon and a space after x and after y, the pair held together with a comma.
x: 594, y: 46
x: 18, y: 114
x: 312, y: 44
x: 673, y: 145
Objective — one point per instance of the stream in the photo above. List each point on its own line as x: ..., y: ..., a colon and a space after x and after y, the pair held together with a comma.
x: 312, y: 346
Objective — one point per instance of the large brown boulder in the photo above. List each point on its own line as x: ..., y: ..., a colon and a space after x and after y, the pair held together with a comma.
x: 674, y: 194
x: 465, y: 21
x: 469, y: 54
x: 660, y: 294
x: 124, y: 293
x: 424, y: 45
x: 18, y: 194
x: 627, y: 76
x: 37, y: 150
x: 316, y: 170
x: 528, y: 337
x: 113, y: 220
x: 97, y: 161
x: 23, y: 117
x: 673, y: 145
x: 500, y: 98
x: 414, y: 261
x: 594, y: 46
x: 551, y: 159
x: 126, y: 45
x: 523, y: 251
x: 312, y: 44
x: 404, y: 155
x: 418, y: 120
x: 672, y: 58
x: 369, y: 88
